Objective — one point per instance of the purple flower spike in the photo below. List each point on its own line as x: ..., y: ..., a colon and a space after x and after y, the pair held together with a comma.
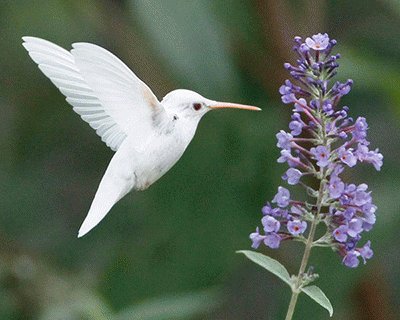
x: 318, y: 42
x: 322, y: 143
x: 272, y: 240
x: 282, y: 198
x: 321, y: 154
x: 296, y: 227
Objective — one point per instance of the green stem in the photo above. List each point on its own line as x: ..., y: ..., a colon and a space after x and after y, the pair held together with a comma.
x: 303, y: 265
x: 296, y: 289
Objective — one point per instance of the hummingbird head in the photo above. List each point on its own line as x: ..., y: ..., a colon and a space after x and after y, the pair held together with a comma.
x: 191, y: 105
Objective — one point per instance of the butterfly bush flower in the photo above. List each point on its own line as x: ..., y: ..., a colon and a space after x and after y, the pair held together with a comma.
x: 318, y: 42
x: 322, y: 142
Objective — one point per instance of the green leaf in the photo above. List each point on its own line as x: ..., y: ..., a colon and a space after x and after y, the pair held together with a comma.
x: 317, y: 295
x: 180, y: 306
x: 268, y: 263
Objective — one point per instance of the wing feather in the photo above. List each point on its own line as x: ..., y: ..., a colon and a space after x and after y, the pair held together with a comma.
x: 101, y: 89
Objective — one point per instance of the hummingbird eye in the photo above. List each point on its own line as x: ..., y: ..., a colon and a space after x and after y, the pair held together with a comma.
x: 197, y: 106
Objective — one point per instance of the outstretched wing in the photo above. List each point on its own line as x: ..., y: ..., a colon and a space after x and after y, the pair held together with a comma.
x: 101, y: 89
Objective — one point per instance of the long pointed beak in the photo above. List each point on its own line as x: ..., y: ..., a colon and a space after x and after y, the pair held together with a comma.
x: 220, y: 105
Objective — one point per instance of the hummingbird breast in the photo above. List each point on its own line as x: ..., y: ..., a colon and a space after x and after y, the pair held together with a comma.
x: 156, y: 156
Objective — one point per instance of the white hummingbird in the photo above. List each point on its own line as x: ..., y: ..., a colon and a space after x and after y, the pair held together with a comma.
x: 148, y: 136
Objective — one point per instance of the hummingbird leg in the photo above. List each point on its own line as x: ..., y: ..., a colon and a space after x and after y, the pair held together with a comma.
x: 143, y: 187
x: 140, y: 185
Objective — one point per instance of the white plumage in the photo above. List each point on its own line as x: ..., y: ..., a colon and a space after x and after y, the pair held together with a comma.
x: 149, y: 137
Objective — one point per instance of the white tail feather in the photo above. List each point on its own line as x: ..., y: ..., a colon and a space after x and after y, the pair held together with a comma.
x: 113, y: 186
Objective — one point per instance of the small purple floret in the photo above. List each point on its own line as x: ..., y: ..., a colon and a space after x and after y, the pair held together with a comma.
x: 354, y: 227
x: 284, y: 140
x: 365, y: 155
x: 292, y: 176
x: 282, y: 198
x: 321, y: 154
x: 336, y: 187
x: 318, y: 42
x: 349, y: 213
x: 256, y: 238
x: 270, y: 224
x: 351, y: 259
x: 296, y: 127
x: 347, y: 156
x: 340, y: 233
x: 360, y: 129
x: 299, y: 105
x: 327, y: 107
x: 272, y: 240
x: 366, y: 251
x: 268, y: 210
x: 296, y: 227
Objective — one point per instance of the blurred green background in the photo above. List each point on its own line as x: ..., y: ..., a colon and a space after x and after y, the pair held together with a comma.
x: 169, y: 252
